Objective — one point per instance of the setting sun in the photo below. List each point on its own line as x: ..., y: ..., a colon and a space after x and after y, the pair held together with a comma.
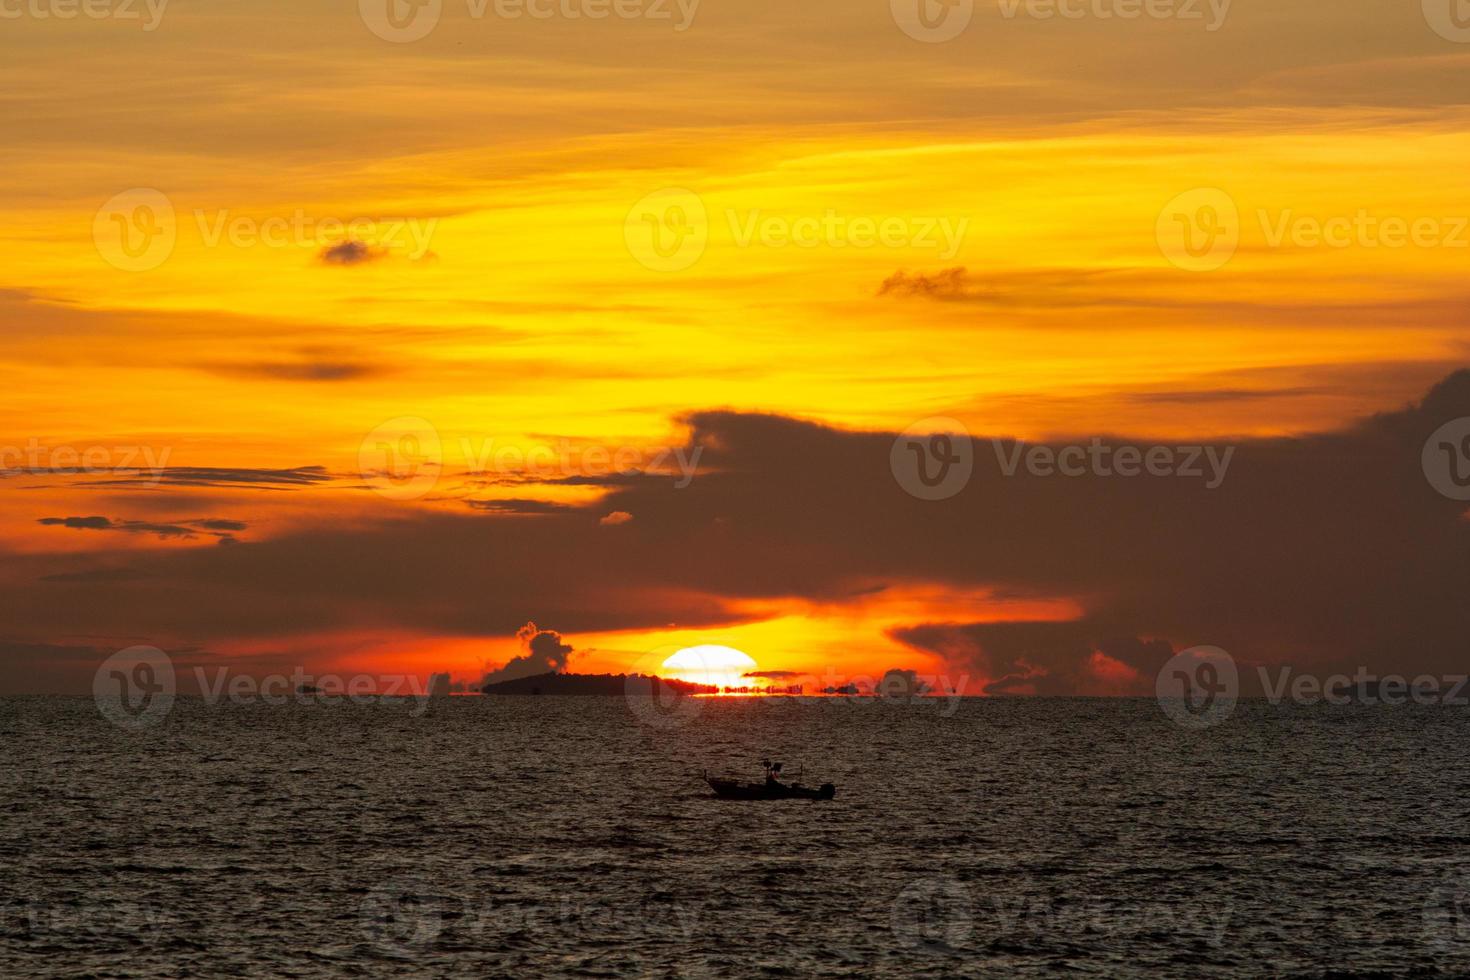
x: 710, y: 664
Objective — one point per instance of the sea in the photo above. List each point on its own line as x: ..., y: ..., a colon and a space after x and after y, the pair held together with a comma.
x: 574, y: 837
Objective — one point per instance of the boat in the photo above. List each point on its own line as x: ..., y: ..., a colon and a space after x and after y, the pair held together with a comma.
x: 770, y: 789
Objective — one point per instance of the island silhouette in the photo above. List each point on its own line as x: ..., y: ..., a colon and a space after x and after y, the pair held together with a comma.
x: 585, y: 685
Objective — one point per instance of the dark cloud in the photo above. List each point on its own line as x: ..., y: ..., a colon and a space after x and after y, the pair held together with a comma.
x: 1205, y: 396
x: 901, y: 683
x: 219, y: 524
x: 947, y: 283
x: 94, y: 575
x: 523, y: 506
x: 1050, y: 658
x: 218, y: 527
x: 352, y: 253
x: 87, y: 523
x: 29, y: 667
x: 301, y: 371
x: 1324, y: 549
x: 1154, y: 295
x: 214, y: 476
x: 545, y: 654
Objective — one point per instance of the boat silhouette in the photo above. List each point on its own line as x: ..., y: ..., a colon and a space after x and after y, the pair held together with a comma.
x: 772, y: 788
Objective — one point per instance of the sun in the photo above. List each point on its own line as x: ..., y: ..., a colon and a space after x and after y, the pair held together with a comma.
x: 710, y: 664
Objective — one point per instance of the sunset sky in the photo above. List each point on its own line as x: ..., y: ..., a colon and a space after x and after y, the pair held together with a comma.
x: 633, y: 308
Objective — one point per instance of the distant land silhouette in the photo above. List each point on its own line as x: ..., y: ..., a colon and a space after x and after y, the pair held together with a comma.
x: 895, y: 683
x: 585, y: 685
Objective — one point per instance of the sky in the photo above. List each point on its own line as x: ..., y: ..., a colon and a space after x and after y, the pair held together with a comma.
x: 357, y: 337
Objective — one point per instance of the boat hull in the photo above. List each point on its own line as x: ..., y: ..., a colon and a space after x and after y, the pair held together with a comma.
x: 730, y: 789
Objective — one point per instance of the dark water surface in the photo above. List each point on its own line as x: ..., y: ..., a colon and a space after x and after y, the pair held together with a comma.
x: 572, y: 837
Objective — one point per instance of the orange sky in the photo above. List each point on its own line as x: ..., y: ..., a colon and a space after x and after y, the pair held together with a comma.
x: 249, y: 236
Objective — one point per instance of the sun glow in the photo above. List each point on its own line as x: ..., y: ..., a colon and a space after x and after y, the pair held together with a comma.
x: 709, y: 664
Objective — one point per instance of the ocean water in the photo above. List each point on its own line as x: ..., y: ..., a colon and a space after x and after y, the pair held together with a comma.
x: 573, y: 837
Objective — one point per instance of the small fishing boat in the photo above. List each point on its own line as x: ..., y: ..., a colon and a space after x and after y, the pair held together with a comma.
x: 771, y: 789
